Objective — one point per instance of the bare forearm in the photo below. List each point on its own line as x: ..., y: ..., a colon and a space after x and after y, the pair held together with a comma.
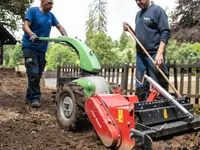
x: 62, y: 30
x: 161, y: 47
x: 26, y: 28
x: 159, y: 59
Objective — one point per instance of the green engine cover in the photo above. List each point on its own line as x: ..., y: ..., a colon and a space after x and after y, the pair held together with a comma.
x: 93, y: 85
x: 89, y: 86
x: 88, y: 60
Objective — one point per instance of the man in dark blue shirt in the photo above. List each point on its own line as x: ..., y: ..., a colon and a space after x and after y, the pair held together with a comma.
x: 38, y: 23
x: 152, y: 30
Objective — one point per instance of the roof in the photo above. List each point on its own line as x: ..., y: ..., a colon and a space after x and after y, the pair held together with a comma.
x: 5, y: 37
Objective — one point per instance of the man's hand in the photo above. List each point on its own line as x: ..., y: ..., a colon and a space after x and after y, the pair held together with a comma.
x: 33, y: 37
x: 126, y: 26
x: 61, y: 29
x: 159, y: 59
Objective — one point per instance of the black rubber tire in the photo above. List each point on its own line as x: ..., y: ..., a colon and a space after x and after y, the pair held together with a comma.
x: 73, y: 94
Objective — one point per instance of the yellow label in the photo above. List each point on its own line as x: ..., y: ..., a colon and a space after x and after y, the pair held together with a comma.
x: 120, y: 116
x: 165, y: 113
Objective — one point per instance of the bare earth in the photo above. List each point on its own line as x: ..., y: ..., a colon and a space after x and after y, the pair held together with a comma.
x: 23, y: 128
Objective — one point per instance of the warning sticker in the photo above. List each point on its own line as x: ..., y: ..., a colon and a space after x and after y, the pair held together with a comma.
x: 165, y: 113
x: 120, y: 116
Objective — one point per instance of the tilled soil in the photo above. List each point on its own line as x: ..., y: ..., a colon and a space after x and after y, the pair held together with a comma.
x: 22, y: 127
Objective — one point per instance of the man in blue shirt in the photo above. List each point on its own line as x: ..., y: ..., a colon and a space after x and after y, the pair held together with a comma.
x: 152, y: 30
x: 38, y: 23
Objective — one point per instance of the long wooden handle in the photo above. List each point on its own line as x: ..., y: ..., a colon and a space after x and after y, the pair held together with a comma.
x: 162, y: 73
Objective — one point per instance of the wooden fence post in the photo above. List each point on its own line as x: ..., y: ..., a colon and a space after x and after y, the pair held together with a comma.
x: 175, y: 76
x: 125, y: 77
x: 58, y: 75
x: 197, y: 85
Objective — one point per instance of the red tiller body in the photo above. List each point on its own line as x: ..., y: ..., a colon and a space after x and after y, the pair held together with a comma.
x: 124, y: 122
x: 112, y: 117
x: 152, y: 96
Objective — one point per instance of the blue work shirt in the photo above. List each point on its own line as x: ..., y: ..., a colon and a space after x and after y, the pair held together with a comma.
x: 151, y: 28
x: 41, y: 24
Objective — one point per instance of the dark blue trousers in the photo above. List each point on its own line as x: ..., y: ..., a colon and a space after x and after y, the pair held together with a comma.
x: 144, y: 64
x: 35, y: 64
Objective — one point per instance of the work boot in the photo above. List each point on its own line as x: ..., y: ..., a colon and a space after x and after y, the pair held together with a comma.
x: 35, y: 104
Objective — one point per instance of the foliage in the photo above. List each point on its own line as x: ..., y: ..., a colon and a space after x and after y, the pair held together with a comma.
x: 115, y: 43
x: 7, y: 51
x: 183, y: 53
x: 98, y: 16
x: 187, y: 54
x: 106, y: 53
x: 186, y: 21
x: 187, y: 13
x: 196, y: 47
x: 131, y: 51
x: 126, y: 55
x: 89, y: 28
x: 96, y: 38
x: 123, y: 41
x: 172, y: 47
x: 15, y: 56
x: 102, y: 44
x: 12, y: 11
x: 60, y: 55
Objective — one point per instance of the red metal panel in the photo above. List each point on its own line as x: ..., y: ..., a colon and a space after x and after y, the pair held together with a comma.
x: 103, y: 123
x: 114, y: 100
x: 125, y: 120
x: 112, y: 121
x: 132, y: 98
x: 152, y: 96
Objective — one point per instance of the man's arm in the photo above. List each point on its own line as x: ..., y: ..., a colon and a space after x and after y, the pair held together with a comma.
x: 26, y: 27
x: 61, y: 29
x: 27, y: 30
x: 163, y: 27
x: 159, y: 60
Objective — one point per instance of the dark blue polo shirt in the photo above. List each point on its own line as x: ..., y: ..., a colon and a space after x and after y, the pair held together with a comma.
x: 151, y: 28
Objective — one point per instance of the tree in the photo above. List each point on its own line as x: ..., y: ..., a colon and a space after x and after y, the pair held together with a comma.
x: 12, y: 12
x: 60, y: 55
x: 172, y: 48
x: 15, y: 56
x: 183, y: 53
x: 131, y: 51
x: 102, y: 46
x: 188, y: 55
x: 186, y: 21
x: 115, y: 43
x: 98, y: 10
x: 7, y: 52
x: 90, y: 28
x: 123, y: 41
x: 96, y: 37
x: 127, y: 55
